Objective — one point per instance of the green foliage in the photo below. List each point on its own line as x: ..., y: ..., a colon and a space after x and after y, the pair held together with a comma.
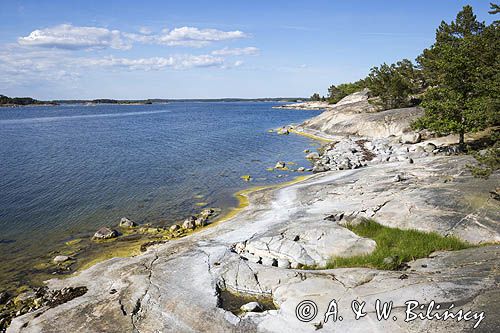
x: 397, y: 245
x: 315, y: 97
x: 336, y: 93
x: 395, y: 84
x: 4, y: 100
x: 463, y: 69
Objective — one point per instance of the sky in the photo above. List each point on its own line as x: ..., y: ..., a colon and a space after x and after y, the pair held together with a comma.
x: 207, y: 49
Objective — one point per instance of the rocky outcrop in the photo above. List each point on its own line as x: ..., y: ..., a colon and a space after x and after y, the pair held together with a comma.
x: 355, y: 115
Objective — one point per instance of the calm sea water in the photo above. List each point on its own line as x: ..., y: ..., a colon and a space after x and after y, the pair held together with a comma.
x: 67, y: 170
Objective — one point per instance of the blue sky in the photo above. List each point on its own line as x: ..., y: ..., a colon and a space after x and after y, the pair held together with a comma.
x: 207, y: 49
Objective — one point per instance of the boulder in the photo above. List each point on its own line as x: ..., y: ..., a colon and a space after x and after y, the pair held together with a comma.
x: 280, y: 165
x: 105, y: 233
x: 200, y: 221
x: 61, y: 259
x: 174, y: 227
x: 189, y: 223
x: 283, y: 263
x: 312, y: 156
x: 301, y: 169
x: 127, y: 223
x: 251, y: 307
x: 267, y: 261
x: 283, y: 131
x: 429, y: 147
x: 410, y: 138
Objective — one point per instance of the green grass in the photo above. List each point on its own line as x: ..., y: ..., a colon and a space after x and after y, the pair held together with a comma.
x: 397, y: 244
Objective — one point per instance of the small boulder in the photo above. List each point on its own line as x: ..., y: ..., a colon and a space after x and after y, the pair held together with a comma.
x: 105, y: 233
x: 127, y: 223
x: 60, y: 259
x: 301, y: 169
x: 429, y: 147
x: 283, y: 263
x: 280, y: 165
x: 283, y: 131
x: 174, y: 227
x: 410, y: 138
x: 189, y: 223
x: 312, y: 156
x: 266, y: 261
x: 200, y: 221
x: 306, y: 151
x: 251, y: 307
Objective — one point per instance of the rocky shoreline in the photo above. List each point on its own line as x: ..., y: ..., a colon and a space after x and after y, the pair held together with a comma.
x: 252, y: 270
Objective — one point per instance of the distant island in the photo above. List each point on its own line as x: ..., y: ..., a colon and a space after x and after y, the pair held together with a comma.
x: 28, y: 101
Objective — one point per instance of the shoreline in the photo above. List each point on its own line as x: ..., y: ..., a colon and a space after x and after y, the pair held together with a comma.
x: 121, y: 248
x: 252, y: 251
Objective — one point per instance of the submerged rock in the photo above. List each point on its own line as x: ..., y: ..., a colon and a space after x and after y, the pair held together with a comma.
x: 105, y: 233
x: 251, y: 307
x: 127, y: 223
x: 60, y: 259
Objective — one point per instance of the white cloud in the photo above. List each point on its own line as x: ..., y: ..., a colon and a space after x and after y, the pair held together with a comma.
x: 19, y: 64
x: 159, y: 63
x: 66, y: 36
x: 237, y: 51
x: 190, y: 36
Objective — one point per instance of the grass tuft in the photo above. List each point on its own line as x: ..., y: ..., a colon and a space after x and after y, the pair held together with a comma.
x: 396, y: 246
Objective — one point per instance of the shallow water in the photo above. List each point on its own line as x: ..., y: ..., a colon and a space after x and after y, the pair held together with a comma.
x: 67, y: 170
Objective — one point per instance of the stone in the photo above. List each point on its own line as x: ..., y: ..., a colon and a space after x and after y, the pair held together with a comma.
x: 239, y: 247
x: 283, y: 131
x: 126, y: 223
x: 410, y: 138
x: 251, y: 257
x: 61, y: 259
x: 280, y: 165
x: 283, y: 263
x: 174, y: 227
x: 429, y: 147
x: 410, y: 160
x: 306, y: 151
x: 301, y: 169
x: 189, y: 223
x: 200, y: 221
x: 312, y: 156
x: 207, y: 212
x: 267, y: 261
x: 251, y: 307
x: 105, y: 233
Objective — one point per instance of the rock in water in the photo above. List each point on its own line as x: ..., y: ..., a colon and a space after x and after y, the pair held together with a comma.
x: 410, y: 138
x: 189, y: 223
x: 280, y: 165
x: 251, y: 307
x: 127, y: 223
x: 60, y: 259
x: 312, y: 156
x: 174, y: 227
x: 105, y: 233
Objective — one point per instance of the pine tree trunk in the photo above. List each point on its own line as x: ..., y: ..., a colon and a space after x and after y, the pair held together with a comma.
x: 461, y: 140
